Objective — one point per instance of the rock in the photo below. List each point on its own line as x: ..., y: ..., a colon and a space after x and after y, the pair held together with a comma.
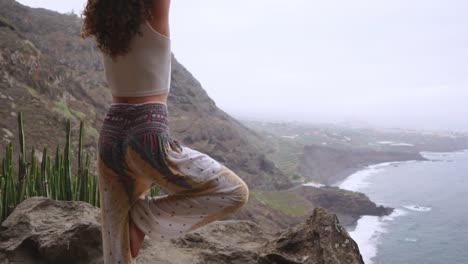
x: 41, y: 230
x: 49, y: 231
x: 315, y: 242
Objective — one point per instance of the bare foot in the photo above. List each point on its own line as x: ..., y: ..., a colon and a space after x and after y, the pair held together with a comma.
x: 136, y: 239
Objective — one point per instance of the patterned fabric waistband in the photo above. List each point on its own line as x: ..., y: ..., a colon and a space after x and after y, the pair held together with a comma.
x: 123, y: 116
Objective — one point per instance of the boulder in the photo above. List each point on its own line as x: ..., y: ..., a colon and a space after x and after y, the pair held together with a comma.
x: 41, y: 230
x: 48, y: 231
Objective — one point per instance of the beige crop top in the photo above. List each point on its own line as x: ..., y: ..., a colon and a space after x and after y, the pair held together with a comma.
x: 145, y: 69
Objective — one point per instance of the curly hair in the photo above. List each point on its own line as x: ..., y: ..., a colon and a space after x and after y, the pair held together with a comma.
x: 114, y: 23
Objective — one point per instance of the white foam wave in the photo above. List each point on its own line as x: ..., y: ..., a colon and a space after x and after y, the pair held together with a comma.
x: 417, y: 208
x: 408, y: 239
x: 369, y: 228
x: 444, y: 156
x: 368, y: 231
x: 359, y: 180
x: 396, y: 144
x: 290, y: 137
x: 314, y: 184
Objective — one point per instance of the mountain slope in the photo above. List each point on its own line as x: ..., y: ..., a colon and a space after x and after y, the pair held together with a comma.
x: 50, y: 74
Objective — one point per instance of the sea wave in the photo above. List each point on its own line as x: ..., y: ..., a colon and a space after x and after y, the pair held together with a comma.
x: 417, y: 208
x: 368, y: 231
x: 359, y: 180
x: 369, y: 228
x: 443, y: 156
x: 313, y: 184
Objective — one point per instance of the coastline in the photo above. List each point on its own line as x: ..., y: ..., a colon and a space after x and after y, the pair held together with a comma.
x: 332, y: 165
x: 368, y: 228
x: 357, y: 180
x: 347, y: 173
x: 362, y: 173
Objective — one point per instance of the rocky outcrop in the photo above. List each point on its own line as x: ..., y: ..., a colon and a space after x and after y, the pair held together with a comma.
x: 321, y: 239
x: 277, y: 210
x: 46, y: 231
x: 41, y: 230
x: 347, y: 205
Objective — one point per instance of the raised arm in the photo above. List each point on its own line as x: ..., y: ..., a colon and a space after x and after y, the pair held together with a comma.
x: 160, y: 20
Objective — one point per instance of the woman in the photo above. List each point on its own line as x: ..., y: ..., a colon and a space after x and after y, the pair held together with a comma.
x: 136, y: 150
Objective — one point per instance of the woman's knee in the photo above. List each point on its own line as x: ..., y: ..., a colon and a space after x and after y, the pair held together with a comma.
x: 244, y: 194
x: 240, y: 195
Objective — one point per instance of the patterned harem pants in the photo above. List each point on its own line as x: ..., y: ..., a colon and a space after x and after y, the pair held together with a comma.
x: 137, y: 152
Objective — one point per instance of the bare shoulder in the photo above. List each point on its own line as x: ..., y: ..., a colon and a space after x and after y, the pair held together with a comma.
x: 160, y: 20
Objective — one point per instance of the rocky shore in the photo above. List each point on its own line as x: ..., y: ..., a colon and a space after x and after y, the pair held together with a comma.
x: 42, y: 231
x: 276, y: 210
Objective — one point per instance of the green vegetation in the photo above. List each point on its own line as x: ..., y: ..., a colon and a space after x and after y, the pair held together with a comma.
x: 61, y: 107
x: 52, y: 177
x: 287, y: 202
x: 92, y: 132
x: 287, y: 155
x: 5, y: 23
x: 31, y: 91
x: 30, y: 48
x: 78, y: 114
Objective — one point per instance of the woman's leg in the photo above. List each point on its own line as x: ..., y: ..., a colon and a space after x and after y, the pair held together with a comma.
x: 118, y: 187
x: 137, y: 152
x: 136, y: 238
x: 200, y: 190
x: 115, y: 206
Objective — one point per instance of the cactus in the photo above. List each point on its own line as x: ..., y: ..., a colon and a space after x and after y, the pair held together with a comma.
x: 43, y: 180
x: 67, y: 183
x: 20, y: 184
x: 52, y: 177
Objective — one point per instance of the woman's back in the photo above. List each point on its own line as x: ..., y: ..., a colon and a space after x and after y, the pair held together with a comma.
x: 145, y: 69
x: 127, y: 32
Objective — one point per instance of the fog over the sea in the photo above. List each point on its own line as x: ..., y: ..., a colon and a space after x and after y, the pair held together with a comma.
x: 393, y: 63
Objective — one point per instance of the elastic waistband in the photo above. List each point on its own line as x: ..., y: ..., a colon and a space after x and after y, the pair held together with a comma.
x: 130, y: 104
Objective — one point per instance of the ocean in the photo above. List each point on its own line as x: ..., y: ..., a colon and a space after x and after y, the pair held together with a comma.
x: 430, y: 221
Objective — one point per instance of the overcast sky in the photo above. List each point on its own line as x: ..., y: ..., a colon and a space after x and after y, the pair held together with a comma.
x: 393, y: 63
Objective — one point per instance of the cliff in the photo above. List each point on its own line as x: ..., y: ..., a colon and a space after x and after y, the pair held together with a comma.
x: 45, y: 231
